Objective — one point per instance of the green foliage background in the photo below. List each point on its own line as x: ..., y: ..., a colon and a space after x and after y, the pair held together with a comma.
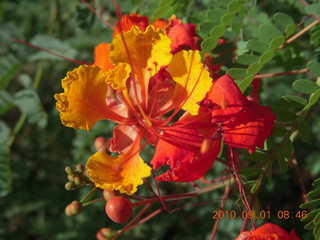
x: 35, y: 147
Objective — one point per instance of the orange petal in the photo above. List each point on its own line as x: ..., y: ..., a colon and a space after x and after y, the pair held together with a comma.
x: 83, y: 102
x: 101, y: 57
x: 118, y: 76
x: 124, y: 172
x: 193, y: 81
x: 145, y: 52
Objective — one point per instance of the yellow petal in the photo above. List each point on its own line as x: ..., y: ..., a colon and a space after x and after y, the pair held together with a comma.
x: 83, y: 102
x: 145, y: 52
x: 124, y: 172
x: 118, y: 76
x: 193, y: 81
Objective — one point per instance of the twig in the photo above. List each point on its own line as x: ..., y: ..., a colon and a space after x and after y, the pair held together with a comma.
x: 304, y: 70
x: 222, y: 205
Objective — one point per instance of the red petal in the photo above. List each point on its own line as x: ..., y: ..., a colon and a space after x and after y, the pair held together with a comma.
x: 128, y: 21
x: 181, y: 149
x: 270, y: 229
x: 245, y: 124
x: 183, y: 35
x: 249, y: 128
x: 227, y: 99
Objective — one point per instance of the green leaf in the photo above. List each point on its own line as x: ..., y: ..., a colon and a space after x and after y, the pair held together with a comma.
x: 245, y: 83
x: 284, y: 153
x: 205, y: 27
x: 5, y: 170
x: 247, y: 59
x: 6, y: 102
x: 314, y: 97
x: 283, y: 115
x: 254, y: 68
x: 313, y: 8
x: 234, y: 6
x: 237, y: 72
x: 257, y: 46
x: 311, y: 215
x: 304, y: 130
x: 314, y: 193
x: 268, y: 32
x: 283, y: 19
x: 316, y: 183
x: 305, y: 86
x: 222, y: 48
x: 277, y: 42
x: 223, y: 3
x: 227, y: 19
x: 290, y: 29
x: 266, y: 57
x: 292, y: 101
x: 29, y: 103
x: 257, y: 156
x: 217, y: 31
x: 309, y: 226
x: 25, y: 80
x: 250, y: 172
x: 310, y: 204
x: 314, y: 67
x: 209, y: 44
x: 216, y: 14
x: 279, y: 131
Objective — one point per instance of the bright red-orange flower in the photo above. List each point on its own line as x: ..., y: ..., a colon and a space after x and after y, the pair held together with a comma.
x: 268, y: 231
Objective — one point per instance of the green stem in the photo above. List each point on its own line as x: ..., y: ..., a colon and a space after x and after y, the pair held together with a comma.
x: 93, y: 201
x: 88, y: 195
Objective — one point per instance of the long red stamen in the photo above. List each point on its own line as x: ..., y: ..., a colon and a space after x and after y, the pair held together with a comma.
x: 52, y: 53
x: 96, y: 13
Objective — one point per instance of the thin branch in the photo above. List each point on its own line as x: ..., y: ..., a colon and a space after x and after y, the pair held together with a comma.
x: 294, y: 37
x: 222, y: 205
x: 268, y: 75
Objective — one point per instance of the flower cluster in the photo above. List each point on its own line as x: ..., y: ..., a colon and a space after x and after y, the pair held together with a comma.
x: 151, y: 81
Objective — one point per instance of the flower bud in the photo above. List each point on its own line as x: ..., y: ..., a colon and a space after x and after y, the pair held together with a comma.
x: 107, y: 194
x: 68, y: 169
x: 80, y: 167
x: 105, y: 234
x: 77, y: 180
x: 100, y: 144
x: 75, y: 207
x: 71, y: 177
x: 119, y: 209
x: 69, y: 186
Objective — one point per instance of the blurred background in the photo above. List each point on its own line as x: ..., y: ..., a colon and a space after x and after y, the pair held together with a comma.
x: 35, y: 147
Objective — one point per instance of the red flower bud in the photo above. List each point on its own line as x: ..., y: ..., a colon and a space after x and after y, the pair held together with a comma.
x: 118, y: 209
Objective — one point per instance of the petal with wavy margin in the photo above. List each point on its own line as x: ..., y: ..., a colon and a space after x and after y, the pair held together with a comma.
x: 83, y: 103
x: 145, y: 52
x: 124, y: 172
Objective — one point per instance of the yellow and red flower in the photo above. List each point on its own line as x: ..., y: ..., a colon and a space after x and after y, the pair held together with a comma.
x: 268, y: 231
x: 142, y: 81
